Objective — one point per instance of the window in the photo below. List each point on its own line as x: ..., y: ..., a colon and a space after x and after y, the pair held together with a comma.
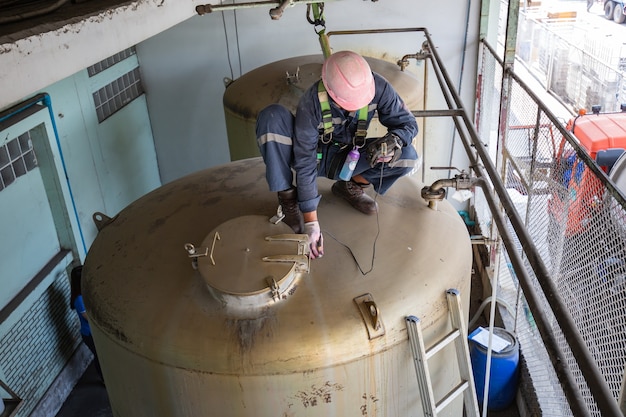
x: 110, y: 61
x: 119, y: 92
x: 17, y: 157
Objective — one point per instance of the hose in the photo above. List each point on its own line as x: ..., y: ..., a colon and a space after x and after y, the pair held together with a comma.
x: 482, y: 307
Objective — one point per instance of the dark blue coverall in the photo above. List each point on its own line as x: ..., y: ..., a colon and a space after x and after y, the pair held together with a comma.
x: 288, y: 142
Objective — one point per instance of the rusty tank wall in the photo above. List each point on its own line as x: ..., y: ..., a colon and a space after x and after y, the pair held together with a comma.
x: 284, y: 82
x: 232, y: 335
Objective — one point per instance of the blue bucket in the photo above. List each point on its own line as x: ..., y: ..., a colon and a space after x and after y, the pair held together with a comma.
x: 504, y: 373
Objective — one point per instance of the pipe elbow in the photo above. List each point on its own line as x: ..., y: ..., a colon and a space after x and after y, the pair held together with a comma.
x: 443, y: 183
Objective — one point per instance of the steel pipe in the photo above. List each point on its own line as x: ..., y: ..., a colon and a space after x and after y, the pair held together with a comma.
x: 595, y: 381
x: 210, y: 8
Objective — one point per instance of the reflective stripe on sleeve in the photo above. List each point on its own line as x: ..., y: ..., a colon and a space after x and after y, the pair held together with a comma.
x: 274, y: 137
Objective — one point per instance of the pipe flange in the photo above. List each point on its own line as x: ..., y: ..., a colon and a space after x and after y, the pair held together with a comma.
x: 429, y: 194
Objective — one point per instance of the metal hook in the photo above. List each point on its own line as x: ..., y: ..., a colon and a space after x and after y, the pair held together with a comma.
x: 215, y: 237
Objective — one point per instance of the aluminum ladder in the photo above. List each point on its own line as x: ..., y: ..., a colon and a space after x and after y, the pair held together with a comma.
x: 421, y: 356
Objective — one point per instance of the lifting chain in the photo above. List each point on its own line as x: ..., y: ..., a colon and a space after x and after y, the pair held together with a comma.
x: 318, y: 18
x: 319, y: 25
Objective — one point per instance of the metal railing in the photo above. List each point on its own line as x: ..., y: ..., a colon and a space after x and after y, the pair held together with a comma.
x: 513, y: 150
x: 572, y: 243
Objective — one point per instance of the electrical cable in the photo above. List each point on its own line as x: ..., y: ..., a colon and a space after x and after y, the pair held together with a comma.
x: 232, y: 75
x: 237, y: 41
x: 375, y: 238
x: 462, y: 69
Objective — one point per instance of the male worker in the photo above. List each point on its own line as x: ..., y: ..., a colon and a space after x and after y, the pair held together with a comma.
x: 331, y: 119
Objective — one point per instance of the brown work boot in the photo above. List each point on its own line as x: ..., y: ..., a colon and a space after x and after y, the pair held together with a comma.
x: 288, y: 200
x: 354, y: 194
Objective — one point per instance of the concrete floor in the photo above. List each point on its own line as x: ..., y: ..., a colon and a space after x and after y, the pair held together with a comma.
x: 88, y: 398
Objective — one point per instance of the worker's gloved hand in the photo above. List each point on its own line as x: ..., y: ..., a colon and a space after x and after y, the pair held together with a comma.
x: 316, y: 240
x: 386, y: 149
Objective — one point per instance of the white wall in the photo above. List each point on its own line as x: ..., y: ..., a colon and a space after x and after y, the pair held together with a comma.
x: 182, y: 70
x: 33, y: 59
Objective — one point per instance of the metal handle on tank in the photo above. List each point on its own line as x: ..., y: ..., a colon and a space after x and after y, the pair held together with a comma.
x: 371, y: 315
x: 373, y: 310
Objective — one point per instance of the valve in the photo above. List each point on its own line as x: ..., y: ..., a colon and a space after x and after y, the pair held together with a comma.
x: 419, y: 56
x: 436, y: 191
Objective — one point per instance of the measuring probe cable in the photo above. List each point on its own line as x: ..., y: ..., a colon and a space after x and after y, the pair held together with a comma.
x: 380, y: 183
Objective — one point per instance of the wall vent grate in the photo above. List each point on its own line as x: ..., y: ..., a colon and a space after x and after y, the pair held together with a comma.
x: 17, y: 157
x: 112, y: 97
x: 110, y: 61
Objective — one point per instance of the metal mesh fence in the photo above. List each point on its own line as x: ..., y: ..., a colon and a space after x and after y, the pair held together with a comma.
x: 579, y: 230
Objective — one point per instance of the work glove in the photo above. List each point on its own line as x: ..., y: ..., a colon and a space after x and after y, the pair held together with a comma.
x: 316, y: 240
x: 386, y: 149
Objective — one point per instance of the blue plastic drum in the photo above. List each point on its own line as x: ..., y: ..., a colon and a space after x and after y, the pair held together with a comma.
x: 504, y: 371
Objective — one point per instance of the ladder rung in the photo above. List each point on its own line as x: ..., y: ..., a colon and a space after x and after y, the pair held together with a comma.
x: 448, y: 398
x: 421, y: 357
x: 449, y: 338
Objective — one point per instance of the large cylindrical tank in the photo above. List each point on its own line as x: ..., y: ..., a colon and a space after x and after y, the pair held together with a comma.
x: 284, y: 82
x: 231, y: 334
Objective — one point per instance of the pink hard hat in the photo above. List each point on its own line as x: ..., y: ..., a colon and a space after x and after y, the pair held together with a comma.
x: 348, y: 80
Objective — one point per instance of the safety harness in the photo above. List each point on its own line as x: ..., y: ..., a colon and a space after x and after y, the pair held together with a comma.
x: 326, y: 131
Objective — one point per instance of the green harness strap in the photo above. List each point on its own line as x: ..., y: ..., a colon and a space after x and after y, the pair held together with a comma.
x: 327, y: 121
x: 320, y: 25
